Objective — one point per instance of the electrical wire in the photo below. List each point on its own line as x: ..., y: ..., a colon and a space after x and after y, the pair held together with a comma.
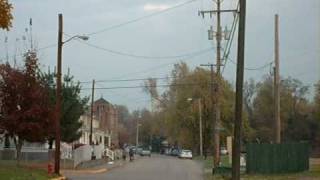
x: 142, y: 86
x: 256, y: 68
x: 229, y: 43
x: 187, y: 55
x: 126, y: 80
x: 140, y: 18
x: 192, y: 54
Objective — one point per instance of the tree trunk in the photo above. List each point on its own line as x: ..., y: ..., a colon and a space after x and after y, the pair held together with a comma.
x: 50, y: 142
x: 6, y: 141
x: 18, y: 144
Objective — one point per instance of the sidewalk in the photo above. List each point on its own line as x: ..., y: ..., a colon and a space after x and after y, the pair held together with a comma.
x: 97, y: 169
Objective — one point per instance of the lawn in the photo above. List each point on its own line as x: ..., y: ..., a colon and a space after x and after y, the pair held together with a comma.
x: 313, y: 173
x: 10, y: 171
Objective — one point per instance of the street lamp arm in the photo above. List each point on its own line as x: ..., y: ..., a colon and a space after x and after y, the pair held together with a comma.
x: 82, y: 37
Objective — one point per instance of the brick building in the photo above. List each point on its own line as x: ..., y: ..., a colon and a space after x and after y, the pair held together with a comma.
x: 107, y: 115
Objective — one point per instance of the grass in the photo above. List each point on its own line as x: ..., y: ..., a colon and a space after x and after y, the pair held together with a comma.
x: 10, y: 171
x: 313, y: 173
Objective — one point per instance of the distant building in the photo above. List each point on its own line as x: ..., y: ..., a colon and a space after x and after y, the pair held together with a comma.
x: 107, y: 115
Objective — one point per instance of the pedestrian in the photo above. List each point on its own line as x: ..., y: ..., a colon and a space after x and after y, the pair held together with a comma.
x: 131, y: 154
x: 124, y: 156
x: 205, y: 153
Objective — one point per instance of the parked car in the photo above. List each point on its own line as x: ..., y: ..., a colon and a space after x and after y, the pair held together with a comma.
x: 185, y: 154
x: 145, y: 152
x: 174, y: 152
x: 223, y: 151
x: 139, y: 150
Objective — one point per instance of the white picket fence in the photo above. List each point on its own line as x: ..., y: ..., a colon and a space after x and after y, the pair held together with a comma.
x: 81, y: 154
x: 84, y: 153
x: 110, y: 154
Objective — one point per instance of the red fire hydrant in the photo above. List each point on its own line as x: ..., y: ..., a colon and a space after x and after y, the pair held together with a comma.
x: 50, y: 169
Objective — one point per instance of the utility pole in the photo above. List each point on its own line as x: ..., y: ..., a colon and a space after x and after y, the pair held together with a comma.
x: 58, y: 96
x: 277, y: 84
x: 137, y: 133
x: 91, y: 115
x: 217, y: 93
x: 211, y: 93
x: 236, y: 148
x: 216, y: 121
x: 200, y: 127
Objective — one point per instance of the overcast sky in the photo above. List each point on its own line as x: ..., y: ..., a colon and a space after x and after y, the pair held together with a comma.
x: 176, y: 32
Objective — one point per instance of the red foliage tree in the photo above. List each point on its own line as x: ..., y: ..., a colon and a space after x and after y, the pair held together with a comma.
x: 26, y: 114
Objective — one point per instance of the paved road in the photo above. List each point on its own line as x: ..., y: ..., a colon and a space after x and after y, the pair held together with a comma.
x: 155, y: 168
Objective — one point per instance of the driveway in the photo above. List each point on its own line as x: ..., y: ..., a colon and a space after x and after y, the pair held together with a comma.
x: 156, y: 167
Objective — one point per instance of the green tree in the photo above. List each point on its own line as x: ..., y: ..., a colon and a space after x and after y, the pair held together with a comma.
x: 317, y: 101
x: 73, y: 106
x: 5, y: 14
x: 295, y: 110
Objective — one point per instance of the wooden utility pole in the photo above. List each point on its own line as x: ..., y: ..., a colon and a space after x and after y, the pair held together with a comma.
x: 137, y: 133
x: 211, y: 90
x: 277, y: 138
x: 217, y: 89
x: 200, y: 127
x: 91, y: 115
x: 239, y: 93
x: 217, y: 127
x: 58, y: 96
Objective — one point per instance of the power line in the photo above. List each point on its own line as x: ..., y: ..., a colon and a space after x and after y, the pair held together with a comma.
x: 142, y: 86
x: 192, y: 54
x: 255, y: 68
x: 38, y: 49
x: 47, y: 47
x: 229, y: 43
x: 141, y: 18
x: 126, y: 80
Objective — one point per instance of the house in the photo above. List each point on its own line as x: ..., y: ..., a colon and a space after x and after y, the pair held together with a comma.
x: 104, y: 125
x: 99, y: 135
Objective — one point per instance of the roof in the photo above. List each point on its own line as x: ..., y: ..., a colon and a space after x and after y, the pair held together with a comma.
x: 101, y: 101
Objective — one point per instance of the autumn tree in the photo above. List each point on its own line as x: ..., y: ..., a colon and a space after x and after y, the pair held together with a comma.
x: 179, y: 118
x: 26, y: 114
x: 124, y: 125
x: 316, y: 116
x: 5, y: 14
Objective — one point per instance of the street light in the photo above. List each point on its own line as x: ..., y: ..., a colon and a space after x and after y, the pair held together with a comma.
x: 58, y: 92
x: 82, y: 37
x: 200, y: 124
x: 137, y: 133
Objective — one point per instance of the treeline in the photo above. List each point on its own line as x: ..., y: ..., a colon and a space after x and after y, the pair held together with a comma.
x: 177, y: 119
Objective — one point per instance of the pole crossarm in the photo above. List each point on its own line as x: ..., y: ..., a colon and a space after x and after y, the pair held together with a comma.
x: 213, y: 12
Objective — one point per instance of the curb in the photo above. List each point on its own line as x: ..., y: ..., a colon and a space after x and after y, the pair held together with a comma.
x: 95, y: 171
x: 59, y: 178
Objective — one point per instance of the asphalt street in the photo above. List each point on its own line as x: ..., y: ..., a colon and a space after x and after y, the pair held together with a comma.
x: 149, y: 168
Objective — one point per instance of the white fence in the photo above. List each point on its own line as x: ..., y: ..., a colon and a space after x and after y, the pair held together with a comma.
x: 81, y: 154
x: 98, y: 151
x: 109, y: 154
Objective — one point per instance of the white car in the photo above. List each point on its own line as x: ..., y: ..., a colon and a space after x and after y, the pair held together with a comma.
x: 223, y: 151
x: 185, y: 154
x: 145, y: 152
